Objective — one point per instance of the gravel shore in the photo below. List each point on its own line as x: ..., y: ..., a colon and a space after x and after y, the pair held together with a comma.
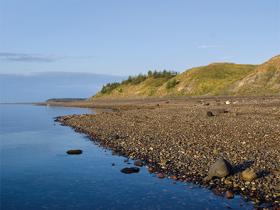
x: 182, y: 139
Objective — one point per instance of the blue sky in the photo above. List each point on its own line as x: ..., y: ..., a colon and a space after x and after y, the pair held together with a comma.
x: 124, y: 37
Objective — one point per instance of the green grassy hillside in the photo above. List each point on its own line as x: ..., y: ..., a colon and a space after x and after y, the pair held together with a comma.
x: 214, y: 79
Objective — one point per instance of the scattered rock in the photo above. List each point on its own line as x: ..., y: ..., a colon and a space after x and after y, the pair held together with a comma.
x: 227, y: 102
x: 221, y: 168
x: 249, y: 175
x: 211, y: 114
x: 160, y: 175
x: 228, y: 182
x: 229, y: 194
x: 174, y: 177
x: 216, y: 112
x: 151, y: 170
x: 126, y: 160
x: 74, y: 152
x: 138, y: 163
x: 130, y: 170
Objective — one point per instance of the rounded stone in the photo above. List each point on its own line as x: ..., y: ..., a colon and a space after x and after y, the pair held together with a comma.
x: 74, y: 152
x: 221, y: 168
x: 248, y: 175
x: 229, y: 194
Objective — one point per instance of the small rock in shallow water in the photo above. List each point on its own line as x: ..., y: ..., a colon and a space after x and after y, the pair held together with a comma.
x: 125, y: 160
x: 138, y: 163
x: 174, y: 177
x: 221, y: 168
x: 160, y: 175
x: 229, y: 194
x: 74, y: 152
x: 248, y: 175
x: 130, y: 170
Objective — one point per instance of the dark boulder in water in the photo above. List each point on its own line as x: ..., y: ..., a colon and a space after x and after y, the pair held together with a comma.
x: 74, y: 152
x: 130, y: 170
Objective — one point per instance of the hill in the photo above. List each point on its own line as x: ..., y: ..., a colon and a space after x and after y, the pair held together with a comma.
x: 211, y: 80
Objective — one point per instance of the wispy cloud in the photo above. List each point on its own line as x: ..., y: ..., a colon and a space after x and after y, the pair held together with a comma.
x: 207, y: 46
x: 35, y: 57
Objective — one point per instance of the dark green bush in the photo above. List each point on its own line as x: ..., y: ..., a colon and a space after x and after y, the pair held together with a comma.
x: 108, y: 88
x: 171, y: 83
x: 134, y: 80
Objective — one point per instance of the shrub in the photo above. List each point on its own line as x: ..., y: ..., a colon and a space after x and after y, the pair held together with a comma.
x: 135, y: 80
x: 171, y: 83
x: 108, y: 88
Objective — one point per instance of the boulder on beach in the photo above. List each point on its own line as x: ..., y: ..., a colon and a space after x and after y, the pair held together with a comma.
x: 130, y: 170
x: 248, y: 175
x: 74, y: 152
x: 221, y: 168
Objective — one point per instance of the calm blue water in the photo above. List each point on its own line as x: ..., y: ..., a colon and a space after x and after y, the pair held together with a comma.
x: 37, y: 174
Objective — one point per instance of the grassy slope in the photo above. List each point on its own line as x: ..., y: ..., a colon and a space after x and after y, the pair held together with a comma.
x: 214, y: 79
x: 146, y: 88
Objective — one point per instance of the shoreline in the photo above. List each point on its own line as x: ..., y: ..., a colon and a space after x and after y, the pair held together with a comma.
x: 178, y: 139
x: 154, y: 102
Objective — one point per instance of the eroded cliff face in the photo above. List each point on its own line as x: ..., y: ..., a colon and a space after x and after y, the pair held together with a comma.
x: 264, y: 80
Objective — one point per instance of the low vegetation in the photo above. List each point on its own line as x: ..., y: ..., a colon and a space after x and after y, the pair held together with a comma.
x: 135, y: 80
x: 211, y: 80
x: 171, y: 83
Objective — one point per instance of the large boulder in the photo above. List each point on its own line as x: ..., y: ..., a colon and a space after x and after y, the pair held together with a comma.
x: 221, y: 168
x: 249, y: 175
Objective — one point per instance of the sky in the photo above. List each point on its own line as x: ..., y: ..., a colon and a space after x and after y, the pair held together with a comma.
x: 127, y: 37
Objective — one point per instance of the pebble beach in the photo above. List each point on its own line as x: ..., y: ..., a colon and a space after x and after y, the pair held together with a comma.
x: 182, y: 139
